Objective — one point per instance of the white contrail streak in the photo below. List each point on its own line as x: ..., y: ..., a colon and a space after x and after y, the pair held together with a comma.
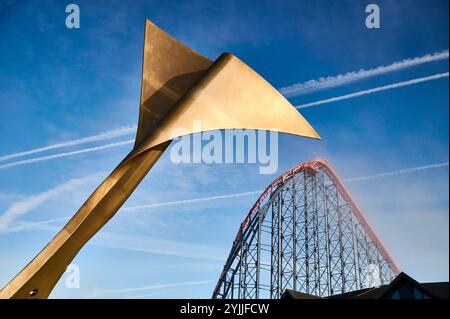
x: 342, y: 79
x: 153, y: 287
x: 112, y: 133
x: 194, y: 200
x: 89, y: 139
x: 23, y: 206
x: 24, y: 225
x: 375, y: 90
x: 348, y: 180
x: 395, y: 173
x: 27, y: 204
x: 289, y: 91
x: 60, y: 155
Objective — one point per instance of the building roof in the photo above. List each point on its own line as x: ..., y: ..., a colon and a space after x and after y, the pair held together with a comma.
x: 434, y: 290
x: 294, y: 294
x: 439, y: 289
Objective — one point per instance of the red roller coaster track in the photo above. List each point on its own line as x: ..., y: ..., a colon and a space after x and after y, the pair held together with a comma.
x: 243, y: 268
x: 313, y: 166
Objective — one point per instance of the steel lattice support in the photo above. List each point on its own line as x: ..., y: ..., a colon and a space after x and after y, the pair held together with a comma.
x: 304, y: 233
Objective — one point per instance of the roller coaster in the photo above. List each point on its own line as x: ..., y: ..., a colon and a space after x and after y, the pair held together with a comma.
x: 305, y: 233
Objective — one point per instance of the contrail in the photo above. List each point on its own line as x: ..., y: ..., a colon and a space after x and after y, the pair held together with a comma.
x: 27, y: 204
x: 153, y: 287
x: 374, y: 90
x: 348, y: 180
x: 59, y: 155
x: 22, y: 225
x: 342, y: 79
x: 394, y: 173
x: 194, y: 200
x: 89, y: 139
x: 289, y: 91
x: 23, y: 206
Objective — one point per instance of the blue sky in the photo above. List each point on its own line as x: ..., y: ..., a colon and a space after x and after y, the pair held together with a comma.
x: 57, y: 85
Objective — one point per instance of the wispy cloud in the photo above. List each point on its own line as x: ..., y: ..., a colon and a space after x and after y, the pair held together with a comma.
x: 65, y: 154
x: 121, y: 131
x: 349, y: 77
x: 375, y: 90
x: 121, y: 241
x: 193, y: 200
x: 25, y: 205
x: 396, y: 173
x: 131, y: 242
x: 235, y: 195
x: 101, y: 292
x: 157, y: 246
x: 20, y: 225
x: 302, y: 106
x: 289, y: 91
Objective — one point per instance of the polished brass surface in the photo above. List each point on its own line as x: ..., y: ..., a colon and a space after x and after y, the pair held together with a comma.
x: 179, y: 86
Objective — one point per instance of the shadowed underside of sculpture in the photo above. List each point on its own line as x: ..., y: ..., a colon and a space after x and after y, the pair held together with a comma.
x: 179, y: 86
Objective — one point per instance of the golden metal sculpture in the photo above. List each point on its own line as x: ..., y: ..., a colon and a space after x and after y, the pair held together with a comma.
x: 178, y: 87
